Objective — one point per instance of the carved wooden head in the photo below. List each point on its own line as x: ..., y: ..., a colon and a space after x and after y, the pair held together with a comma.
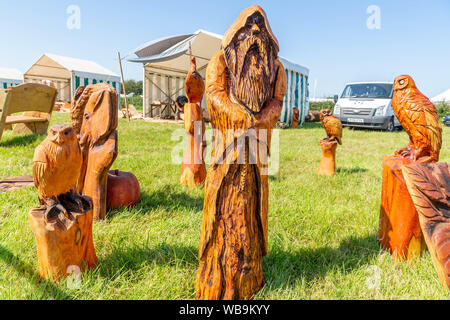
x: 403, y: 82
x: 250, y: 51
x: 324, y: 113
x: 95, y: 107
x: 61, y: 134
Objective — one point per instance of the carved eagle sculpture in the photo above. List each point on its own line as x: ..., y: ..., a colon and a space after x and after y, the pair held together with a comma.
x: 419, y: 118
x: 332, y: 125
x: 56, y: 166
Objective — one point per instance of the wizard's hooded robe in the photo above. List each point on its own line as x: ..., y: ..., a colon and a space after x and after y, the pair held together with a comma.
x: 234, y: 228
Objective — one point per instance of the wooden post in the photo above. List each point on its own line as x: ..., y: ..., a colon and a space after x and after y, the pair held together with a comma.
x: 399, y: 230
x: 327, y: 166
x: 123, y: 86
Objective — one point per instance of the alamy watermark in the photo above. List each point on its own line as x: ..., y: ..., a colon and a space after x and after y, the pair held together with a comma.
x: 74, y: 19
x: 374, y: 20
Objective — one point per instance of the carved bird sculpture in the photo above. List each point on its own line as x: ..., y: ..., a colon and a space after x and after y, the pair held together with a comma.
x: 332, y: 125
x: 56, y: 166
x: 419, y: 118
x: 195, y: 86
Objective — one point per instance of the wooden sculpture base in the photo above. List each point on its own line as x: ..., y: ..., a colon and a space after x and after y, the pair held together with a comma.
x: 327, y: 166
x: 63, y: 242
x: 399, y: 229
x: 429, y: 186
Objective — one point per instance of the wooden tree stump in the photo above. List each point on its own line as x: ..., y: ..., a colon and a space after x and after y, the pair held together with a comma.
x: 327, y: 166
x: 63, y: 241
x: 399, y: 229
x: 429, y: 186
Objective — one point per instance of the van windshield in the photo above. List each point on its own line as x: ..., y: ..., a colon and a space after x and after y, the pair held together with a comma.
x: 368, y: 90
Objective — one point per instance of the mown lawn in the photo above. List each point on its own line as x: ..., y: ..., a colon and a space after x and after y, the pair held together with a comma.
x: 322, y: 231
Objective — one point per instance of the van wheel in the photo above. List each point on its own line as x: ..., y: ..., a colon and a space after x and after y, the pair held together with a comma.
x: 390, y: 126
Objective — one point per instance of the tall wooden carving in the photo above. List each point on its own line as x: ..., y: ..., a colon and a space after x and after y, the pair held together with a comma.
x: 429, y: 186
x: 193, y: 169
x: 399, y: 231
x: 94, y: 116
x: 245, y: 88
x: 63, y: 223
x: 333, y: 128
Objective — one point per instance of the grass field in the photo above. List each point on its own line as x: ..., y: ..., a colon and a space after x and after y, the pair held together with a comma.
x: 322, y: 231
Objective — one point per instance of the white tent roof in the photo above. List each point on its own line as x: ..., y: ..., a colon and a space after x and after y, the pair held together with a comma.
x: 444, y: 96
x: 170, y: 55
x: 11, y: 74
x: 79, y: 65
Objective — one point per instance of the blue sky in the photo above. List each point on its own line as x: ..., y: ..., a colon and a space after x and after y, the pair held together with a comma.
x: 329, y: 37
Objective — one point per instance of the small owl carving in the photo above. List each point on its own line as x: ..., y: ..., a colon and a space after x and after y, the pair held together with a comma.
x: 419, y: 118
x: 332, y: 125
x: 57, y: 164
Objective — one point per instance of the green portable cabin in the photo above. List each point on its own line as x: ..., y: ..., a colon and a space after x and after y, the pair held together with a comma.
x: 297, y: 93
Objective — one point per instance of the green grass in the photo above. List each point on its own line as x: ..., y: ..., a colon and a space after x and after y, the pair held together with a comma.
x: 322, y: 231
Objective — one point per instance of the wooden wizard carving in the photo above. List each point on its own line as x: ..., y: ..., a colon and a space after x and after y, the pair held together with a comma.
x: 245, y: 88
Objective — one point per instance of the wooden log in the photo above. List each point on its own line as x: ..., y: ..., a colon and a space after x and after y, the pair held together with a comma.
x: 327, y: 166
x: 399, y: 229
x: 429, y: 186
x: 63, y: 242
x: 244, y: 96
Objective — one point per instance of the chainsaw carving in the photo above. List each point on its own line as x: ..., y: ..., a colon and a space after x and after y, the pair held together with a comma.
x: 63, y: 223
x: 333, y: 128
x: 399, y: 230
x: 94, y: 116
x: 429, y: 186
x: 193, y: 170
x: 245, y: 88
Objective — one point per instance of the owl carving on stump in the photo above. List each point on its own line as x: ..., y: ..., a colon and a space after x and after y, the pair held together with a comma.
x: 419, y: 118
x: 56, y: 168
x: 332, y: 125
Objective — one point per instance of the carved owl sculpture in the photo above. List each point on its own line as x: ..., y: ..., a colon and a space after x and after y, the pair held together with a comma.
x: 419, y: 118
x: 57, y: 163
x: 195, y: 86
x: 332, y: 125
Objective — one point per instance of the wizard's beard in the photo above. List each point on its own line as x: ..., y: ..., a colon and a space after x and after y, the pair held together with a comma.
x: 251, y: 67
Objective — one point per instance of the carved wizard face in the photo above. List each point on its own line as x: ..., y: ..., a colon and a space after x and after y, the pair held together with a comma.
x: 62, y: 134
x: 250, y: 57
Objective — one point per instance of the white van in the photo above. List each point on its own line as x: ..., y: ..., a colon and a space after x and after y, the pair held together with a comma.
x: 367, y: 105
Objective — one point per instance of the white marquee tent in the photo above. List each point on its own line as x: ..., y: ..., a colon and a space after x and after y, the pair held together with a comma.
x: 10, y: 77
x: 69, y: 73
x: 444, y: 96
x: 166, y: 64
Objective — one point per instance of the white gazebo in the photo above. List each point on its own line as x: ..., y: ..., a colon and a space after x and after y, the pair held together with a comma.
x: 10, y: 77
x: 443, y: 97
x: 166, y: 64
x: 69, y: 73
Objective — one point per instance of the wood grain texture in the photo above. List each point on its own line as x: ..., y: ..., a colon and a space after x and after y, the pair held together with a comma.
x: 193, y: 169
x: 233, y: 238
x: 429, y: 186
x: 419, y: 118
x: 399, y: 228
x: 327, y: 166
x: 64, y: 240
x: 94, y: 115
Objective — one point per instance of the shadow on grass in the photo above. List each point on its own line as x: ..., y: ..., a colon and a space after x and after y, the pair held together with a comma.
x: 125, y: 260
x: 283, y: 269
x: 18, y: 141
x: 351, y: 170
x: 47, y: 288
x: 170, y: 198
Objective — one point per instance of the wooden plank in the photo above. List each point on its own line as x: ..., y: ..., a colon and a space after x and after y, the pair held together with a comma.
x: 23, y: 119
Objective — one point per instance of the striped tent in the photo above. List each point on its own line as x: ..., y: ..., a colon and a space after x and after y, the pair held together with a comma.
x: 297, y: 93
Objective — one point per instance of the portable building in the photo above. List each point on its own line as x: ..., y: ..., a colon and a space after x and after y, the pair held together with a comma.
x: 10, y: 77
x: 69, y: 73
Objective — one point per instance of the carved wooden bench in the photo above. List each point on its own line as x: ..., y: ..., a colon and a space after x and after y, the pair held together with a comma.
x: 36, y: 101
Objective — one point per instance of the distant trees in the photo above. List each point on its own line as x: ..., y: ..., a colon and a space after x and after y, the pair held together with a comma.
x: 133, y: 86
